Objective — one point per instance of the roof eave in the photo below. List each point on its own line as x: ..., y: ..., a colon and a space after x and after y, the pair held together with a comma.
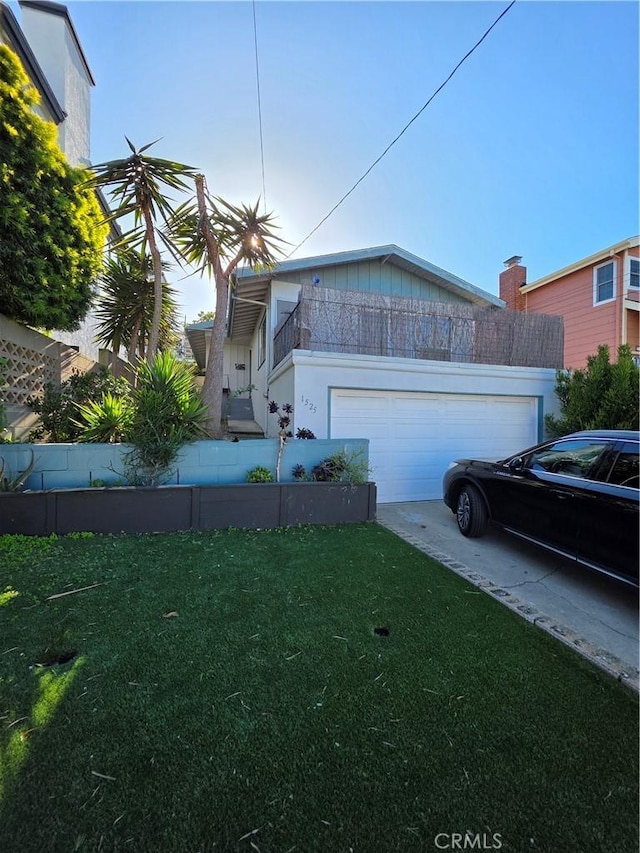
x: 616, y: 249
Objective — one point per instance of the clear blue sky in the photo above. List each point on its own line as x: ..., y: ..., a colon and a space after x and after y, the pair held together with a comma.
x: 531, y: 149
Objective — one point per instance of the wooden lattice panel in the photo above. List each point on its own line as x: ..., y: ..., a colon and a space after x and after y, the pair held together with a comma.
x: 26, y: 372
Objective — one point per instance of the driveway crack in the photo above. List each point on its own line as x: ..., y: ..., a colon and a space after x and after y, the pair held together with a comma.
x: 524, y: 583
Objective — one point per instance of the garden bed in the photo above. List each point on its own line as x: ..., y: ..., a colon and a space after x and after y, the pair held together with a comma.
x: 172, y: 508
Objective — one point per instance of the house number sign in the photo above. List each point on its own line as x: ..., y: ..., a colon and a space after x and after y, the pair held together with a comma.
x: 306, y: 402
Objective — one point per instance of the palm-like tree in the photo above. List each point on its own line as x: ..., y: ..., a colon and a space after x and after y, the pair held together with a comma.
x: 138, y: 184
x: 125, y: 306
x: 217, y: 236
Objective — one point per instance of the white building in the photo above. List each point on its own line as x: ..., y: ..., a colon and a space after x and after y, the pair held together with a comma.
x: 48, y: 46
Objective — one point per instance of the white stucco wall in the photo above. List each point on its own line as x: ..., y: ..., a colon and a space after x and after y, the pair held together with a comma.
x: 310, y: 376
x: 260, y: 373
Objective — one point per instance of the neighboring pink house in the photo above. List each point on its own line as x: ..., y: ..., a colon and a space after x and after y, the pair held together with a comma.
x: 598, y: 297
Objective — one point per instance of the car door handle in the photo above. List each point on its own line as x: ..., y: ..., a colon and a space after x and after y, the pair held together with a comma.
x: 563, y: 496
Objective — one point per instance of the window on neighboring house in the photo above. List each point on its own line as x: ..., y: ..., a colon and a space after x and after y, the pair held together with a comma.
x: 604, y: 287
x: 634, y: 272
x: 262, y: 341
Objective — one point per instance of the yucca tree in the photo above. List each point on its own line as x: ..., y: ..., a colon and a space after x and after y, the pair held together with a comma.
x: 217, y: 237
x: 125, y: 304
x: 168, y: 413
x: 138, y: 185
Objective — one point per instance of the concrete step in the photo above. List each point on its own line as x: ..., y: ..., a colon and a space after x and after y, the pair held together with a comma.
x: 239, y: 409
x: 244, y: 429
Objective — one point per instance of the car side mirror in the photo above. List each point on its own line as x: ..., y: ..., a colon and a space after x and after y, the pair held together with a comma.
x: 516, y: 465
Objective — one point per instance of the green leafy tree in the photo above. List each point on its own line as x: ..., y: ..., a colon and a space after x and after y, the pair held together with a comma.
x: 602, y: 396
x: 217, y: 237
x: 125, y: 303
x: 138, y: 186
x: 51, y: 232
x: 205, y: 317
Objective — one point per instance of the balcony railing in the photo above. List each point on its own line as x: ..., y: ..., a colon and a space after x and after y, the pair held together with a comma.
x: 287, y: 337
x: 327, y: 320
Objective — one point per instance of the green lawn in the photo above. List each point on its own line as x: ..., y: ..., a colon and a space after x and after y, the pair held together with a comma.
x: 230, y: 692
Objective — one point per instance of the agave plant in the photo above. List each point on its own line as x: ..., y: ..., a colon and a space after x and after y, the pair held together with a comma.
x: 107, y: 420
x: 14, y: 484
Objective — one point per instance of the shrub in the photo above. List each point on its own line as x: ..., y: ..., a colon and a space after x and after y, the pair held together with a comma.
x: 328, y: 470
x: 167, y: 414
x: 52, y: 230
x: 58, y: 407
x: 163, y: 413
x: 344, y: 467
x: 302, y: 432
x: 602, y: 396
x: 107, y: 420
x: 259, y: 474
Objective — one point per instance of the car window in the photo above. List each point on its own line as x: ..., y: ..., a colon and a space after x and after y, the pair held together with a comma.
x: 573, y: 457
x: 625, y: 470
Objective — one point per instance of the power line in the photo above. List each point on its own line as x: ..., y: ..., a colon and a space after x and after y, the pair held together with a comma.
x: 404, y: 129
x: 255, y: 42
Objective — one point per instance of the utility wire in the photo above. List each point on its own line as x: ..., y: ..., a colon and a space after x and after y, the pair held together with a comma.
x: 255, y: 42
x: 404, y: 129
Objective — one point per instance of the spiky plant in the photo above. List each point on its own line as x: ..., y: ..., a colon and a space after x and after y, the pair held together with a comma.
x: 138, y: 185
x: 217, y: 237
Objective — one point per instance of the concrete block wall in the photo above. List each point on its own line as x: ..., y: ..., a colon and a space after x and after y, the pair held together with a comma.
x: 71, y: 466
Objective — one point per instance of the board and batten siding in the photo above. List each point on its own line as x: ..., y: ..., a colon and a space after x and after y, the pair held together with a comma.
x: 375, y: 277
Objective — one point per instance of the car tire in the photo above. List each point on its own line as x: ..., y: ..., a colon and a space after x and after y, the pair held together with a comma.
x: 471, y: 512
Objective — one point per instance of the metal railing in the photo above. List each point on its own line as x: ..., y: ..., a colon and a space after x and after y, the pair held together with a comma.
x: 287, y: 337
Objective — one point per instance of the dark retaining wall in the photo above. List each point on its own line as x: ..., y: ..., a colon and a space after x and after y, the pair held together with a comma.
x: 172, y: 508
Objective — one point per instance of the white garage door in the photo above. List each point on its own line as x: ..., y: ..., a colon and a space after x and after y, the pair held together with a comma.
x: 413, y: 436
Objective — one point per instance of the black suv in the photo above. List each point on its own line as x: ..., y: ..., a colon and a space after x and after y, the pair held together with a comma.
x: 577, y: 495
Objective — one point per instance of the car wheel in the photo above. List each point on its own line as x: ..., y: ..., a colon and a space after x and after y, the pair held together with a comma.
x: 471, y: 512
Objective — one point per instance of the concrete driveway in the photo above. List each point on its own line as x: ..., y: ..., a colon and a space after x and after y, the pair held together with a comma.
x: 589, y: 612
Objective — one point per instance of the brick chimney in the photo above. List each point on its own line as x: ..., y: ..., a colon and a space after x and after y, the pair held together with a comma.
x: 511, y: 278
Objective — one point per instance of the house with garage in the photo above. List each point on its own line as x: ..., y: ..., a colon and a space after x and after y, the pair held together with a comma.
x: 598, y: 298
x: 380, y: 344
